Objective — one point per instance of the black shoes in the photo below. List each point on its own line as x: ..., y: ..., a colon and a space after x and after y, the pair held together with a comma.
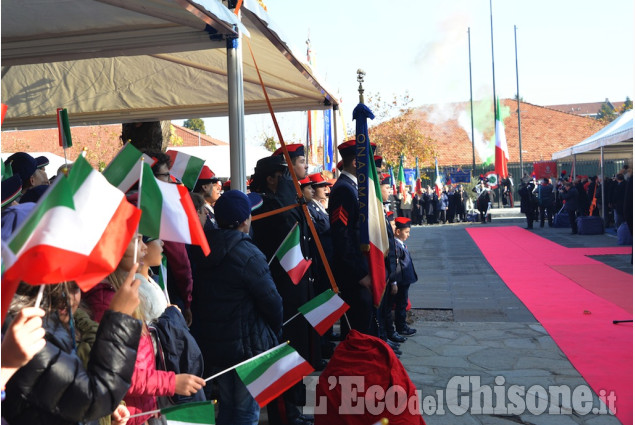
x: 407, y: 331
x: 395, y: 347
x: 395, y: 337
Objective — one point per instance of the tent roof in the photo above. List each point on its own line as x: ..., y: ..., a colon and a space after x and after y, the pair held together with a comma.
x: 616, y: 139
x: 217, y: 157
x: 153, y: 60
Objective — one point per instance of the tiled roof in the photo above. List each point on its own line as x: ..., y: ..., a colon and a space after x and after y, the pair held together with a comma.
x: 544, y: 131
x: 102, y: 142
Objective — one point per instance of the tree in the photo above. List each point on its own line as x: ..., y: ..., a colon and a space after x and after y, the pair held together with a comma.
x: 627, y: 106
x: 196, y: 124
x: 522, y: 99
x: 147, y: 136
x: 606, y: 113
x: 270, y: 144
x: 399, y: 134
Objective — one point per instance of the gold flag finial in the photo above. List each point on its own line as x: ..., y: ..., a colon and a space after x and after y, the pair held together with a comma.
x: 360, y: 79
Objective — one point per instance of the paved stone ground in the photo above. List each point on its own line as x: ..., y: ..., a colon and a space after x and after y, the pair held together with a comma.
x: 493, y: 337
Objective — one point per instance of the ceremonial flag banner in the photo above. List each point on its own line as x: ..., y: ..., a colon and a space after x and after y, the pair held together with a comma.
x: 401, y: 178
x: 78, y: 231
x: 324, y: 310
x: 392, y: 181
x: 501, y: 154
x: 289, y: 254
x: 168, y: 212
x: 124, y: 170
x: 201, y: 412
x: 438, y: 182
x: 64, y: 128
x: 185, y: 167
x: 273, y: 372
x: 373, y: 233
x: 417, y: 176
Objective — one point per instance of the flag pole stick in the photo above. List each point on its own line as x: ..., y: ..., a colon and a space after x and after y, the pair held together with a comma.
x: 246, y: 361
x: 40, y: 294
x: 283, y: 241
x: 291, y: 318
x: 347, y: 322
x: 136, y: 239
x: 149, y: 412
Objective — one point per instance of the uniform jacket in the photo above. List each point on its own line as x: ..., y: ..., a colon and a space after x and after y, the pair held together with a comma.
x: 408, y: 273
x: 349, y: 263
x: 545, y: 195
x: 323, y: 228
x: 237, y: 312
x: 571, y: 198
x: 54, y: 388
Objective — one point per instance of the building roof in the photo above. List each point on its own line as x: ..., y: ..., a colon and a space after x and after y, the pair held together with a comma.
x: 544, y: 131
x: 101, y: 141
x: 591, y: 108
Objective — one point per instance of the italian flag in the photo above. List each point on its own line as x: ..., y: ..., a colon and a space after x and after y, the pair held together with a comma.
x: 168, y: 212
x: 401, y: 178
x: 124, y: 170
x: 438, y: 183
x: 271, y: 373
x: 324, y: 310
x: 201, y: 412
x: 185, y: 167
x: 64, y: 128
x: 289, y: 254
x: 78, y: 231
x: 501, y: 154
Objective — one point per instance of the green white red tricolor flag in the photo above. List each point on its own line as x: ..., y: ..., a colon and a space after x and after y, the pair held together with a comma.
x: 168, y: 212
x: 290, y: 256
x: 271, y: 373
x: 64, y: 128
x: 438, y: 182
x: 501, y: 154
x: 201, y: 412
x: 401, y: 178
x: 185, y: 167
x: 125, y: 168
x: 78, y: 231
x: 324, y: 310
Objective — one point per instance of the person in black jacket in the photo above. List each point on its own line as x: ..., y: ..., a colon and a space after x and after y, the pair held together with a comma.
x: 570, y: 197
x: 237, y: 310
x: 55, y: 388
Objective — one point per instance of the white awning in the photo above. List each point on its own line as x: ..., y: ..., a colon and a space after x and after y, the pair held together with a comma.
x: 116, y: 61
x: 616, y: 139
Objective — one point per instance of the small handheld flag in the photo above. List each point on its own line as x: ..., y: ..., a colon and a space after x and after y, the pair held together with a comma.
x: 289, y: 254
x: 64, y: 128
x: 324, y: 310
x: 185, y: 167
x: 201, y: 412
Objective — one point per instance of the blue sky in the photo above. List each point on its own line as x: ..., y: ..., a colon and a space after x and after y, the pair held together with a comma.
x: 568, y: 51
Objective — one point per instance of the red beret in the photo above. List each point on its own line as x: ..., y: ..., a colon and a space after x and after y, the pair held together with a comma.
x: 295, y: 150
x: 227, y: 185
x: 305, y: 182
x: 385, y: 179
x: 206, y: 173
x: 390, y: 216
x: 402, y: 222
x: 378, y: 161
x: 318, y: 180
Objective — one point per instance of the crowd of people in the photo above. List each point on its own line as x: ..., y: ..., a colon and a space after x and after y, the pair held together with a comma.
x: 450, y: 204
x: 577, y: 197
x: 120, y: 351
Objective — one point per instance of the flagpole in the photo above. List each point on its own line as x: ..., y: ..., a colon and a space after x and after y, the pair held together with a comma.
x: 149, y: 412
x: 283, y: 241
x: 40, y: 294
x: 491, y: 20
x: 136, y: 238
x: 520, y: 142
x: 469, y: 50
x: 291, y: 318
x: 247, y: 361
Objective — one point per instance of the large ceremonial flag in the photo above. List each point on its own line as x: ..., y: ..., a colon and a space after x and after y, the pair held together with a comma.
x: 438, y: 181
x: 271, y: 373
x: 201, y: 412
x: 78, y: 231
x: 185, y: 167
x: 289, y: 254
x: 125, y: 168
x: 64, y: 128
x: 501, y: 154
x: 324, y: 310
x: 392, y: 181
x: 168, y: 212
x: 328, y: 142
x: 417, y: 176
x: 373, y: 234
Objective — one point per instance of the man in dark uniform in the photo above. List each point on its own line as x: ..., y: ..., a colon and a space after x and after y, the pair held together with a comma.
x: 349, y: 264
x: 272, y: 180
x: 207, y: 186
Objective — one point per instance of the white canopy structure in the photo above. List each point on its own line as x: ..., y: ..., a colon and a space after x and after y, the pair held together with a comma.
x: 217, y: 157
x: 117, y: 61
x: 615, y: 140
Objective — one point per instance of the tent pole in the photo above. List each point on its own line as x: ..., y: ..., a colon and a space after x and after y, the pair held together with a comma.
x: 602, y: 181
x: 336, y: 153
x: 236, y: 102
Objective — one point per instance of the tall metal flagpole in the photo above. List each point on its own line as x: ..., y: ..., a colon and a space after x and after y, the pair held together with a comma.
x: 520, y: 142
x: 469, y: 52
x: 491, y: 20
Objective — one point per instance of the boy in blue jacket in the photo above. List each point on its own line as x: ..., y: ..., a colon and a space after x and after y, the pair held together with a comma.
x: 407, y: 276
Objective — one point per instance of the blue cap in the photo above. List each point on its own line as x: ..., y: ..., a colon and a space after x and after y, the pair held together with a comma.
x: 233, y: 207
x: 23, y: 164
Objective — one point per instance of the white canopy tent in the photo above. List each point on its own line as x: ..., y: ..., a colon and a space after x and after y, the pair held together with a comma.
x: 615, y: 140
x: 116, y: 61
x: 217, y: 157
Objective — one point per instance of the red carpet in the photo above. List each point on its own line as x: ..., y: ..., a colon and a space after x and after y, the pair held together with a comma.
x: 577, y: 309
